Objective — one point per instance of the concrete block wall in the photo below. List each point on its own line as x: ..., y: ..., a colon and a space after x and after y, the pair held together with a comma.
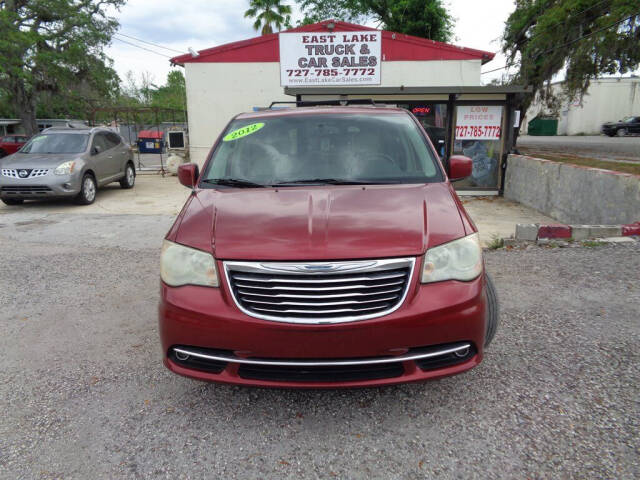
x: 571, y: 193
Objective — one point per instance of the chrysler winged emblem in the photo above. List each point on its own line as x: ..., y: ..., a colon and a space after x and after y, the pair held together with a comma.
x: 319, y: 267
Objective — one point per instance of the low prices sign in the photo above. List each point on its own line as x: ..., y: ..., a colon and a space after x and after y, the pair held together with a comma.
x: 338, y: 58
x: 474, y: 122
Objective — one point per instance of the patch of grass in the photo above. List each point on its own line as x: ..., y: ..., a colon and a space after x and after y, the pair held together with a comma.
x: 633, y: 168
x: 496, y: 242
x: 592, y: 243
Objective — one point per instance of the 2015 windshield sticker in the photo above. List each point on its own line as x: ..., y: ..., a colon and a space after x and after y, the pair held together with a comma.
x: 242, y: 132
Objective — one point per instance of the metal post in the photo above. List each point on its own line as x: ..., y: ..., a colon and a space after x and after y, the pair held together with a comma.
x: 508, y: 141
x: 155, y: 111
x: 450, y: 132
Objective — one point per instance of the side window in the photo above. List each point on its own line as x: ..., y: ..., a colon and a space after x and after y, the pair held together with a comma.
x: 100, y: 141
x: 113, y: 140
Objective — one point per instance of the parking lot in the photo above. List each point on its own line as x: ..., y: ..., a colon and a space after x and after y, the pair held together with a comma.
x: 84, y: 394
x: 600, y: 147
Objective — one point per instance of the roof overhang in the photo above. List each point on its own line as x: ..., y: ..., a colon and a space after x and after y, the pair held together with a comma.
x: 453, y: 90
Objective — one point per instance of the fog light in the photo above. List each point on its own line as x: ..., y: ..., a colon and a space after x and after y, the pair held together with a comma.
x: 67, y: 186
x: 181, y: 356
x: 462, y: 353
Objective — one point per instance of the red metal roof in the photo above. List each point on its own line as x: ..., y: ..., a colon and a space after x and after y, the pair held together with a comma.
x: 395, y: 47
x: 149, y: 134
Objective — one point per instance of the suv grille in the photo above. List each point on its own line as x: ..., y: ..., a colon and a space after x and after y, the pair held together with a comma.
x: 319, y: 292
x: 30, y: 173
x: 26, y: 190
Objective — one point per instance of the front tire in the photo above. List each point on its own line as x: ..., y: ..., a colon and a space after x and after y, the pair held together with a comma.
x: 2, y: 153
x: 88, y: 190
x: 129, y: 179
x: 621, y: 132
x: 493, y: 312
x: 13, y: 201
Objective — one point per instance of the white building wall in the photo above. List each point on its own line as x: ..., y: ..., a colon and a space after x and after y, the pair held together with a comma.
x: 435, y: 73
x: 218, y: 91
x: 608, y: 99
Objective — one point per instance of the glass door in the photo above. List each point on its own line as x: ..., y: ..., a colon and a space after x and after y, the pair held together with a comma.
x: 478, y: 134
x: 433, y: 118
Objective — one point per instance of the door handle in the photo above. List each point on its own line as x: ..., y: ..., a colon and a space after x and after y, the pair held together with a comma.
x: 110, y: 156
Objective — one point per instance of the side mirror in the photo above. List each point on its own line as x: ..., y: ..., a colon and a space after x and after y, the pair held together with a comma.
x: 188, y: 174
x: 95, y: 150
x: 459, y: 167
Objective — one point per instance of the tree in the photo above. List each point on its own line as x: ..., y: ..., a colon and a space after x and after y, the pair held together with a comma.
x: 172, y: 94
x: 54, y: 48
x: 268, y: 14
x: 584, y: 38
x: 421, y: 18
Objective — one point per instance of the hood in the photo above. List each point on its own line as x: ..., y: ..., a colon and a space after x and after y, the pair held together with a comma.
x: 37, y: 160
x: 319, y: 223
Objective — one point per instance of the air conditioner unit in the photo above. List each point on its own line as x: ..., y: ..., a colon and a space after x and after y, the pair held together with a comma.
x: 177, y: 139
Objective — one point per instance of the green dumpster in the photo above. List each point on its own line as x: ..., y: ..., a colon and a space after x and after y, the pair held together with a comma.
x: 543, y: 126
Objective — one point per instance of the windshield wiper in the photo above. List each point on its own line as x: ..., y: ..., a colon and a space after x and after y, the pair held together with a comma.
x: 233, y: 182
x: 331, y: 181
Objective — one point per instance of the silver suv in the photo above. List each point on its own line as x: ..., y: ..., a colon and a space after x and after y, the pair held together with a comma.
x: 66, y: 162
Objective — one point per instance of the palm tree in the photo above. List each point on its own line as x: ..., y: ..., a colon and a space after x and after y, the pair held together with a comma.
x: 268, y: 14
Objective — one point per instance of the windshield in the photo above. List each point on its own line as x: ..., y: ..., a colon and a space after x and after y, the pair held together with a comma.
x: 57, y: 143
x: 629, y: 119
x: 322, y: 148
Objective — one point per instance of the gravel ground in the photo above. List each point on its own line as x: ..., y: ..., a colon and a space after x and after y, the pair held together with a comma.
x: 83, y: 393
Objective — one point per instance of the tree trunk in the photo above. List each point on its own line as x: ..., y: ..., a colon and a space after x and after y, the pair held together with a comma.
x: 25, y: 102
x: 523, y: 105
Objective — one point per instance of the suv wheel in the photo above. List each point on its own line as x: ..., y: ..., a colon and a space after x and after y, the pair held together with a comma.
x: 621, y: 132
x: 12, y: 201
x: 129, y: 178
x: 2, y: 153
x: 88, y: 189
x: 493, y: 311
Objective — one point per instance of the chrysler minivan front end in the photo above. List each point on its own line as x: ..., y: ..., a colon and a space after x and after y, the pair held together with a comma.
x: 323, y: 247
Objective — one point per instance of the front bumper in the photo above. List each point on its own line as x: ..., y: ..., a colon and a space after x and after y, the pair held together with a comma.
x: 46, y: 186
x: 431, y: 316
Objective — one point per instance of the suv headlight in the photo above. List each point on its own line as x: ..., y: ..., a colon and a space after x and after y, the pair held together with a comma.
x: 457, y: 260
x: 180, y: 265
x: 65, y: 168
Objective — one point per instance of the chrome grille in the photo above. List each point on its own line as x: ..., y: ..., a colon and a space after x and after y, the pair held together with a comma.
x: 319, y: 292
x: 38, y: 172
x: 31, y: 173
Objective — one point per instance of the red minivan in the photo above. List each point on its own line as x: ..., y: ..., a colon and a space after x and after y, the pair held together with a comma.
x: 324, y: 247
x: 11, y: 144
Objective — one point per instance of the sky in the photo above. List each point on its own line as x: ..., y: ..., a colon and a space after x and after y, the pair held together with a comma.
x: 200, y: 24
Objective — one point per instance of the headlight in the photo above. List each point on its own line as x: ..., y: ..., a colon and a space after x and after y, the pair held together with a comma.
x: 65, y: 168
x: 457, y: 260
x: 180, y: 265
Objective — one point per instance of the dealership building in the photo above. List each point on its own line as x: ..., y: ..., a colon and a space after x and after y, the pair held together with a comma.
x: 333, y: 60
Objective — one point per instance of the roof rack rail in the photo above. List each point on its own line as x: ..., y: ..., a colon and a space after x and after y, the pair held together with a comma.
x: 315, y: 103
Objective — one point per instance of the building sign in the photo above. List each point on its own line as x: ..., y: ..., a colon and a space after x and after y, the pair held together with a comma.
x: 476, y: 122
x: 336, y: 58
x: 421, y: 111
